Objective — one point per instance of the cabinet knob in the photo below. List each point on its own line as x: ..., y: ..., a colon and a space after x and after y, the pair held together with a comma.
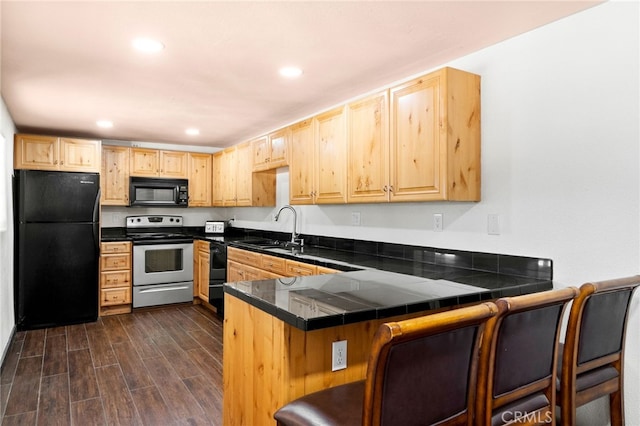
x: 385, y: 189
x: 391, y: 188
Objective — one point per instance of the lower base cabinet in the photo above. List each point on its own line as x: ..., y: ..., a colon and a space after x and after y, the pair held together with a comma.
x: 115, y: 278
x: 244, y: 265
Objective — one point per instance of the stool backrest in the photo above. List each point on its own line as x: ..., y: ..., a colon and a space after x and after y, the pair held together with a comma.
x: 594, y: 347
x: 518, y: 358
x: 423, y: 371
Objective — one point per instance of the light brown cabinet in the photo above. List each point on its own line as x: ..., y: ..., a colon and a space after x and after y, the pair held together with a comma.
x: 240, y: 186
x: 201, y: 262
x: 318, y: 166
x: 435, y: 138
x: 299, y: 269
x: 301, y: 163
x: 270, y: 152
x: 115, y: 278
x: 158, y: 163
x: 219, y: 179
x: 245, y: 265
x: 36, y: 152
x: 114, y: 178
x: 368, y: 149
x: 200, y: 179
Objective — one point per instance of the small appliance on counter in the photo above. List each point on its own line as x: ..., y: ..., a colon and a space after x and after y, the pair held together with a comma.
x: 214, y: 227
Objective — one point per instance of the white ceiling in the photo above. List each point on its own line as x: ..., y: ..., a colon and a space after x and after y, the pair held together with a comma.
x: 67, y: 64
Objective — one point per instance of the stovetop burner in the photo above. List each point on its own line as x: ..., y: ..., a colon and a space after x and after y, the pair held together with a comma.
x: 155, y: 228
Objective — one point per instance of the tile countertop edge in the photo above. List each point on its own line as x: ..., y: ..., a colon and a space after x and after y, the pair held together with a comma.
x: 425, y: 305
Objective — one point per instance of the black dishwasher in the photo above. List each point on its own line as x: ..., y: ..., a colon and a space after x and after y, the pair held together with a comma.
x: 217, y: 275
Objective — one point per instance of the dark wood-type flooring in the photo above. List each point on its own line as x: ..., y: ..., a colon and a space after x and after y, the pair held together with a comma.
x: 157, y: 367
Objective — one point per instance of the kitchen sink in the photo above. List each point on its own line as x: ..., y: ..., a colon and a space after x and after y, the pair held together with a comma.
x: 263, y: 243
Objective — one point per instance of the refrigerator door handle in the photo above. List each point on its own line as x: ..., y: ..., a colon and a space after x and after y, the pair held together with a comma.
x: 96, y: 237
x: 96, y: 222
x: 96, y: 208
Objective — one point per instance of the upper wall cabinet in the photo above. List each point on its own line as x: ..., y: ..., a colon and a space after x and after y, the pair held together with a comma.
x: 114, y: 179
x: 157, y: 163
x: 301, y: 163
x: 236, y: 185
x: 218, y: 185
x: 368, y: 149
x: 330, y: 158
x: 435, y: 138
x: 200, y: 179
x: 52, y: 153
x: 318, y: 163
x: 270, y: 152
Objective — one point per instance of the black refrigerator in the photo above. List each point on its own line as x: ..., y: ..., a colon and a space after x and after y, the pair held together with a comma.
x: 56, y: 248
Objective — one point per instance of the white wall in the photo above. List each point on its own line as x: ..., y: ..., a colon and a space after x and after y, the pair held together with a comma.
x: 6, y: 236
x: 560, y: 161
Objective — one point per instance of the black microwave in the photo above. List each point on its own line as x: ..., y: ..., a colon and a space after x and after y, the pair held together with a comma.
x: 158, y: 192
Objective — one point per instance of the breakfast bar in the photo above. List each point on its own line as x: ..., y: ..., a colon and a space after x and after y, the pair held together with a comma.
x: 278, y: 333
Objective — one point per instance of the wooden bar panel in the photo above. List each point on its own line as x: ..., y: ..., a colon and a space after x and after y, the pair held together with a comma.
x: 268, y: 363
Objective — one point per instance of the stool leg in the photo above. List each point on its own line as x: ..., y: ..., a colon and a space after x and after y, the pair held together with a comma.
x: 616, y: 408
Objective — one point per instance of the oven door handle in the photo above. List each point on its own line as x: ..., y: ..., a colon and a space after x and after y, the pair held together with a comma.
x: 155, y: 290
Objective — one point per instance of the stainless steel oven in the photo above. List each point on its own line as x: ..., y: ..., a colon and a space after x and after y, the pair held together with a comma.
x: 162, y: 261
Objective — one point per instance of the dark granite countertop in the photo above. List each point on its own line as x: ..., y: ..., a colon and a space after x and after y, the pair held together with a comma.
x: 381, y: 280
x: 321, y: 301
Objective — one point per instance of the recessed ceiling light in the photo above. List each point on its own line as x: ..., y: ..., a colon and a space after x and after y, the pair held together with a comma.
x: 192, y: 132
x: 105, y: 124
x: 290, y: 72
x: 147, y: 45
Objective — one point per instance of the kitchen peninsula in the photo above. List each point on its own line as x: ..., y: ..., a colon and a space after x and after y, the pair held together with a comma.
x: 278, y: 333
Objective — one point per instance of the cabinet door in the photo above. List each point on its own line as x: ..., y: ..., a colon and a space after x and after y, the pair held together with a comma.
x: 330, y: 158
x: 114, y: 180
x: 36, y: 152
x: 200, y: 180
x: 217, y: 195
x: 173, y: 164
x: 144, y: 162
x: 278, y: 143
x: 301, y: 163
x: 261, y: 152
x: 239, y: 272
x: 244, y: 169
x: 417, y: 168
x: 229, y: 171
x: 80, y: 155
x: 368, y: 145
x: 203, y: 272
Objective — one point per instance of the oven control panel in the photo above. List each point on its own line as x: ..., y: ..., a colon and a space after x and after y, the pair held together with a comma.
x: 148, y: 221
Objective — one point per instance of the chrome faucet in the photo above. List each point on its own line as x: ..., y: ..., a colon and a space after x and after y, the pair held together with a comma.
x: 294, y: 235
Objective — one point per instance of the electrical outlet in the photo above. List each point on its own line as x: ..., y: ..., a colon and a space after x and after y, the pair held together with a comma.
x: 339, y: 355
x: 355, y: 218
x: 437, y: 222
x: 493, y: 224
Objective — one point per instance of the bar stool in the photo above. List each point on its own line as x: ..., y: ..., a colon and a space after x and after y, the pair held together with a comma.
x: 593, y: 352
x: 517, y: 371
x: 420, y: 371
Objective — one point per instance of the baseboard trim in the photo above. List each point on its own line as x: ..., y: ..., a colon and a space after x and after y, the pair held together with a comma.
x: 6, y: 349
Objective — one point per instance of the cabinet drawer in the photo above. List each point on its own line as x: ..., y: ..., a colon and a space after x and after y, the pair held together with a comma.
x: 114, y: 262
x: 299, y: 269
x: 115, y: 279
x: 325, y: 270
x: 115, y: 247
x: 115, y: 296
x: 273, y: 264
x: 243, y: 256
